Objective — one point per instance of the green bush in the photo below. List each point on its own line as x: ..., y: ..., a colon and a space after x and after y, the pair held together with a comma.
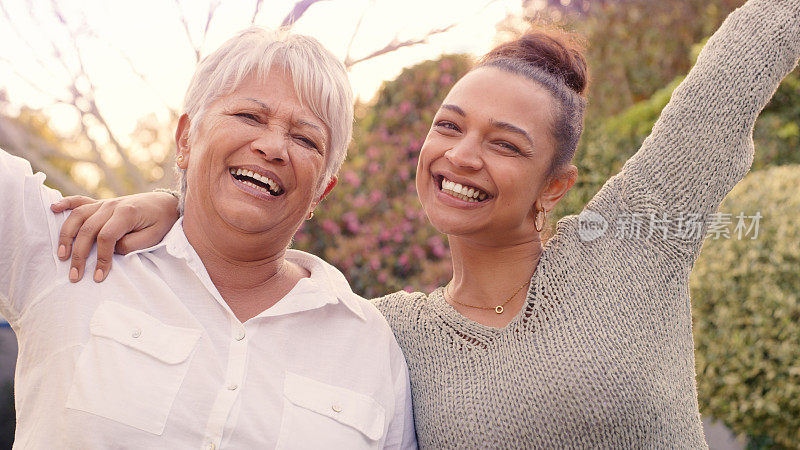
x: 746, y: 304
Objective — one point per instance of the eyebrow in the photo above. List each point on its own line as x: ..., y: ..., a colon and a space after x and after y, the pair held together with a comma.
x: 455, y: 109
x: 502, y: 125
x: 513, y: 129
x: 269, y: 110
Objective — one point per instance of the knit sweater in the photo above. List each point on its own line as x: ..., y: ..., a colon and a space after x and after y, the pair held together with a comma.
x: 601, y: 354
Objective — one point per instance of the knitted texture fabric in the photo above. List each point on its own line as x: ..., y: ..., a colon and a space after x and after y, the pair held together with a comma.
x: 601, y: 354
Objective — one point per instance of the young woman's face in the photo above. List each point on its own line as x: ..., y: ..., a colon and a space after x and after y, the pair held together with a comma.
x: 485, y: 159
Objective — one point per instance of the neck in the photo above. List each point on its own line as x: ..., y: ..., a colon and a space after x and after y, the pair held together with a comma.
x: 486, y: 275
x: 249, y: 270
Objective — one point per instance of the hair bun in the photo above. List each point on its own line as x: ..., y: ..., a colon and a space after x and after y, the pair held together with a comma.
x: 555, y: 51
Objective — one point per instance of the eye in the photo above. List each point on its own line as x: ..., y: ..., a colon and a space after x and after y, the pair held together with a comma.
x: 446, y: 125
x: 508, y: 146
x: 247, y: 116
x: 306, y: 142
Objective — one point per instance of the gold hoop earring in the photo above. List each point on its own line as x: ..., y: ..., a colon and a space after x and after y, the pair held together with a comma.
x: 536, y: 225
x: 310, y: 215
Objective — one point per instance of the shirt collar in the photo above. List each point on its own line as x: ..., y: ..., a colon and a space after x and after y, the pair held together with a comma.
x: 326, y: 284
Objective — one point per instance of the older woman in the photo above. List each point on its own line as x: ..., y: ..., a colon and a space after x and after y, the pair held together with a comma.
x: 599, y: 351
x: 218, y: 336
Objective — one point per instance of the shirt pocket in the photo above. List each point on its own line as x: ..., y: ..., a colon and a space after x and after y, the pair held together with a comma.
x: 131, y: 368
x: 319, y: 415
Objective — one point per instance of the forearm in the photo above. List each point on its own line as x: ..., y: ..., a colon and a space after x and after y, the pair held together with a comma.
x: 701, y: 146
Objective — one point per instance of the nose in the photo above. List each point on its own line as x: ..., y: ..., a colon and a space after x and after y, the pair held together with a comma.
x: 272, y: 145
x: 466, y: 153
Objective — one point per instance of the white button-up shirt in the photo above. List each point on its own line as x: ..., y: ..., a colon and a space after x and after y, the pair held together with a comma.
x: 154, y: 358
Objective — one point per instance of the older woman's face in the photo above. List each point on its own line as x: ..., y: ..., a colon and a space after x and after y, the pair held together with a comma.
x: 485, y: 159
x: 256, y: 159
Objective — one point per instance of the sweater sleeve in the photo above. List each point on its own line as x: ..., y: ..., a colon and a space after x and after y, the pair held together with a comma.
x: 701, y: 145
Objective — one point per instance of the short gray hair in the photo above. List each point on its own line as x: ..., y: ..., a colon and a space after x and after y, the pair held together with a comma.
x: 319, y: 78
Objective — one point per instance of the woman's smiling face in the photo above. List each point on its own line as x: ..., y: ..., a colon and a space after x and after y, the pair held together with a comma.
x: 487, y: 155
x: 255, y: 161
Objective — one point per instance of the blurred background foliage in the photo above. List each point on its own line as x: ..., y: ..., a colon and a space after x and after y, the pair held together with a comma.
x: 746, y: 314
x: 372, y: 228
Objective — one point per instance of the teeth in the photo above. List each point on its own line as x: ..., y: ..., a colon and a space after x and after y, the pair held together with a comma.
x: 273, y: 185
x: 469, y: 194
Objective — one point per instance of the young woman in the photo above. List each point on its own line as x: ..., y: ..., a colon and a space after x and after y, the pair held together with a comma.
x: 585, y: 341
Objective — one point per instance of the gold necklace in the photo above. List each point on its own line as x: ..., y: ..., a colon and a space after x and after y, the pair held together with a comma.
x: 498, y: 309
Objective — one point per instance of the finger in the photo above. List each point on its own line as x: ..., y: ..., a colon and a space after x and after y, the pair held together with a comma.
x: 121, y: 222
x: 144, y: 238
x: 70, y: 227
x: 85, y: 239
x: 71, y: 202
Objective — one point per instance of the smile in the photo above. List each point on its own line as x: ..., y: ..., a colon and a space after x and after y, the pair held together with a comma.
x: 257, y: 181
x: 461, y: 191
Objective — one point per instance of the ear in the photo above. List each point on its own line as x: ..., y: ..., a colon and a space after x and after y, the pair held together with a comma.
x: 328, y: 188
x: 557, y: 187
x: 182, y: 140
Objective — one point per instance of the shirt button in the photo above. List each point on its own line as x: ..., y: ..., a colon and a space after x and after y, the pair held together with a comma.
x: 336, y: 408
x: 136, y: 333
x: 240, y: 335
x: 209, y: 446
x: 233, y: 387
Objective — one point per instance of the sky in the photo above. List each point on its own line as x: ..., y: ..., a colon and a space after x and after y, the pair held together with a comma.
x: 152, y: 39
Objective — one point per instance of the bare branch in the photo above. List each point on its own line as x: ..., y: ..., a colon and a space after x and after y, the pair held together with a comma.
x: 355, y: 31
x: 134, y: 173
x: 396, y: 45
x: 185, y: 24
x: 211, y: 9
x: 297, y: 12
x: 257, y: 10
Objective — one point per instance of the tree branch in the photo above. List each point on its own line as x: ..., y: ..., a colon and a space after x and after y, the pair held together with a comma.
x: 355, y: 31
x: 255, y: 13
x: 396, y: 44
x: 185, y: 24
x: 297, y: 12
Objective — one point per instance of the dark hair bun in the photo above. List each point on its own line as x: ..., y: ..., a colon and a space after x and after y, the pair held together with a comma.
x: 557, y: 52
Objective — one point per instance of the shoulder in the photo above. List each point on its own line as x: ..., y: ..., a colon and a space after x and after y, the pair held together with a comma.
x: 399, y: 302
x: 401, y: 309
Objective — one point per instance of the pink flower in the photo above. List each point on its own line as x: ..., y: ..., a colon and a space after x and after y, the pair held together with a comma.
x: 350, y: 220
x: 382, y: 277
x: 373, y: 168
x: 405, y: 107
x: 404, y: 173
x: 375, y: 263
x: 331, y: 227
x: 446, y: 79
x: 373, y: 152
x: 359, y: 201
x: 403, y: 260
x: 375, y: 196
x: 352, y: 178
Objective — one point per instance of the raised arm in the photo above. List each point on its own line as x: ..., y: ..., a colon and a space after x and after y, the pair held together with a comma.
x: 701, y: 146
x: 28, y: 262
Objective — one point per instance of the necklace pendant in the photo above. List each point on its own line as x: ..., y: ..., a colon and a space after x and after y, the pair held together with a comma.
x: 498, y: 309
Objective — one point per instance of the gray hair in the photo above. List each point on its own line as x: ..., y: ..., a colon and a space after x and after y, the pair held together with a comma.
x: 320, y: 81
